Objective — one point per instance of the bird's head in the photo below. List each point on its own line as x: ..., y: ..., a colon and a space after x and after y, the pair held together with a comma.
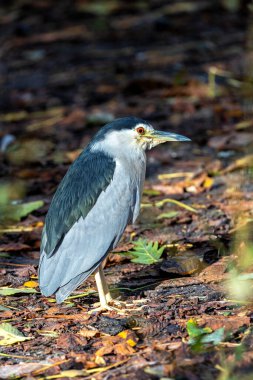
x: 133, y: 132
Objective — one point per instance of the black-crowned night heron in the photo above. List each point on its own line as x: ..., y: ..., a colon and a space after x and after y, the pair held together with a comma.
x: 97, y: 198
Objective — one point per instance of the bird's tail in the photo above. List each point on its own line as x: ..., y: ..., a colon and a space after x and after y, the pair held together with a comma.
x: 64, y: 291
x: 49, y: 279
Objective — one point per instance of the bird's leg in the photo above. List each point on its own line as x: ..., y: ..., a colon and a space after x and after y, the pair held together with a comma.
x: 104, y: 295
x: 107, y: 293
x: 103, y: 290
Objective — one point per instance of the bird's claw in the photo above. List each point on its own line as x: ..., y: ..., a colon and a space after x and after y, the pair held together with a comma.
x: 104, y: 307
x: 120, y: 304
x: 119, y: 307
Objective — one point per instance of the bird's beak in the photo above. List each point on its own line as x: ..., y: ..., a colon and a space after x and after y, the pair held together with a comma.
x: 161, y: 137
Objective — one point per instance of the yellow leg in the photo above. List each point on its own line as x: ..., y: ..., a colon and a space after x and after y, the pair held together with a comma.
x: 103, y: 292
x: 106, y: 290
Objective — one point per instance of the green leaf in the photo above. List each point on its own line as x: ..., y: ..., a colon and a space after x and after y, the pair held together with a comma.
x: 167, y: 215
x: 215, y: 338
x: 193, y: 330
x: 151, y: 192
x: 15, y: 212
x: 200, y: 336
x: 145, y: 252
x: 4, y: 254
x: 10, y: 335
x: 4, y: 291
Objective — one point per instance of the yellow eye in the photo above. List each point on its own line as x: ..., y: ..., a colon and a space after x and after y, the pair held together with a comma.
x: 140, y: 130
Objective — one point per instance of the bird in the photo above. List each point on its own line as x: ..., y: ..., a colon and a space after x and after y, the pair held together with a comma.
x: 95, y: 201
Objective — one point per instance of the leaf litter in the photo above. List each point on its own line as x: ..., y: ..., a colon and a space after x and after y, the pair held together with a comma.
x: 186, y: 286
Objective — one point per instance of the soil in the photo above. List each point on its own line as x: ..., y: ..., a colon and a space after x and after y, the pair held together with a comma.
x: 67, y: 68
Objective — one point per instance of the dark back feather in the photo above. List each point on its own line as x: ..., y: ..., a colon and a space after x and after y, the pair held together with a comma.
x: 86, y: 178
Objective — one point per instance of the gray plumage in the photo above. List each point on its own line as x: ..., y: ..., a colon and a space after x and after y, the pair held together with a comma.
x: 97, y: 198
x: 88, y: 216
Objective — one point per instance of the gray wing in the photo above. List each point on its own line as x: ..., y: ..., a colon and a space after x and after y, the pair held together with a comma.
x: 87, y: 243
x: 77, y: 193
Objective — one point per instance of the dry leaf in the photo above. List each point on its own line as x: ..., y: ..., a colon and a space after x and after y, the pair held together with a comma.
x: 10, y: 335
x: 88, y: 333
x: 123, y: 349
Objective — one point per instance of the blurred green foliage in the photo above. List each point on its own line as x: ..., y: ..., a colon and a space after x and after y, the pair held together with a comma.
x: 200, y: 336
x: 11, y: 208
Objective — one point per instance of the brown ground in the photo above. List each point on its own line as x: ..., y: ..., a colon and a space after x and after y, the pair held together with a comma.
x: 69, y: 67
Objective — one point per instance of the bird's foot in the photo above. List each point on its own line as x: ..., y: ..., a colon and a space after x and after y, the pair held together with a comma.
x: 104, y: 307
x: 115, y: 302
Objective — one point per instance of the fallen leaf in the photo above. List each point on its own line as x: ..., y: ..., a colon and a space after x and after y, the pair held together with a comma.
x: 5, y: 291
x: 18, y: 370
x: 31, y: 284
x: 232, y: 323
x: 88, y: 333
x: 175, y: 175
x: 52, y: 334
x: 70, y: 341
x: 10, y: 335
x: 76, y: 317
x: 208, y: 182
x: 167, y: 215
x: 123, y: 349
x: 244, y: 124
x: 241, y: 163
x: 178, y: 203
x: 129, y: 336
x: 108, y: 349
x: 68, y: 374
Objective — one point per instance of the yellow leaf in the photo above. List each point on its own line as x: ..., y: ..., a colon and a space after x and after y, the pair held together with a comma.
x: 175, y: 175
x: 208, y: 182
x: 123, y: 334
x: 49, y: 333
x: 68, y: 373
x: 129, y: 336
x: 174, y: 201
x: 244, y: 124
x: 100, y: 361
x: 244, y: 162
x: 39, y: 224
x: 31, y: 284
x: 131, y: 342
